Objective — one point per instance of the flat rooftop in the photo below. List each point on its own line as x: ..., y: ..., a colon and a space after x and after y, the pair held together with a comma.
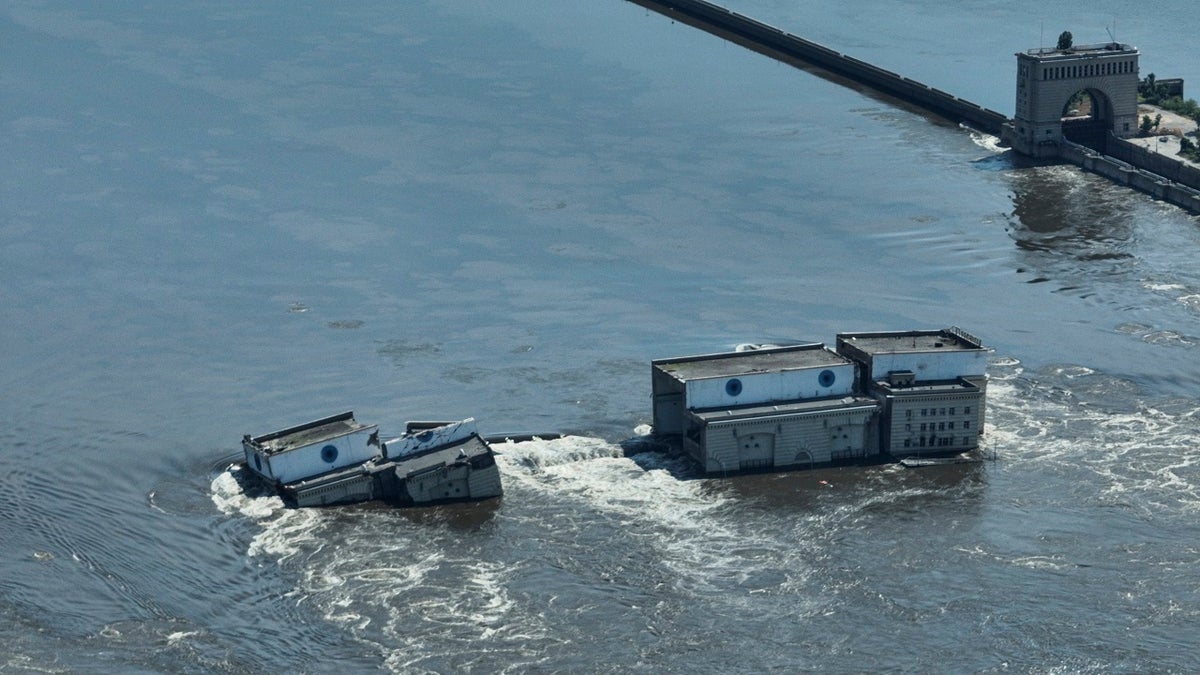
x: 945, y: 387
x: 799, y: 407
x: 731, y: 364
x: 1077, y: 51
x: 914, y: 341
x: 309, y: 433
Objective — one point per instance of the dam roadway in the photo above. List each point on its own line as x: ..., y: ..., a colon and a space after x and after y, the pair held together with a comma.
x: 778, y: 44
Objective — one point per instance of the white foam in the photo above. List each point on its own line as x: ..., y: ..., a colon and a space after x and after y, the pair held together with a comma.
x: 689, y: 524
x: 180, y: 635
x: 1164, y: 287
x: 1140, y: 457
x: 283, y: 529
x: 986, y: 141
x: 1040, y: 562
x: 1191, y: 300
x: 539, y: 455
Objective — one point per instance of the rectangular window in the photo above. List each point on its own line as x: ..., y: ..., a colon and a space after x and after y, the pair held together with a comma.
x: 967, y: 410
x: 952, y: 411
x: 941, y: 426
x: 908, y: 427
x: 966, y: 425
x: 908, y: 442
x: 922, y: 426
x: 952, y: 426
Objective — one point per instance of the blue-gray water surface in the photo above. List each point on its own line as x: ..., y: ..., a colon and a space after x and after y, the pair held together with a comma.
x: 221, y: 218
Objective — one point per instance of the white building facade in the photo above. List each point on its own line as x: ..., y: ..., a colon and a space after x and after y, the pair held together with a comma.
x: 880, y: 394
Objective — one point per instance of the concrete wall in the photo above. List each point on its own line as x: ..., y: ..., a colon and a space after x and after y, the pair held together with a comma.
x: 1164, y: 165
x: 799, y: 441
x: 929, y: 366
x: 759, y: 388
x: 776, y: 43
x: 1131, y: 175
x: 906, y: 421
x: 308, y: 461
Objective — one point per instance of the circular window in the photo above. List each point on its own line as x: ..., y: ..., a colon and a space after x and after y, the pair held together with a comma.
x: 826, y: 378
x: 329, y: 454
x: 733, y: 387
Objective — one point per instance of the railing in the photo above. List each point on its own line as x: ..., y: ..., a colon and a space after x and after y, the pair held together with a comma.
x: 1076, y: 49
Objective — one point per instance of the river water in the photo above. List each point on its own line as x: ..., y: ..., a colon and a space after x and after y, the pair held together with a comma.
x: 224, y: 218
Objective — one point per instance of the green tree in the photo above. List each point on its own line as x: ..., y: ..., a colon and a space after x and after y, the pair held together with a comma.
x: 1188, y: 149
x: 1065, y: 40
x: 1147, y: 125
x: 1148, y: 89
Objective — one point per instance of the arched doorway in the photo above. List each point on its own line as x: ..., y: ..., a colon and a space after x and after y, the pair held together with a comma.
x: 1087, y: 118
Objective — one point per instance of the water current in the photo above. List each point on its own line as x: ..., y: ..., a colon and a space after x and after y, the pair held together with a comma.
x: 219, y: 218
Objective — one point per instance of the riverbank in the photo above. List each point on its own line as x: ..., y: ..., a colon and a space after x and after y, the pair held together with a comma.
x: 1171, y: 129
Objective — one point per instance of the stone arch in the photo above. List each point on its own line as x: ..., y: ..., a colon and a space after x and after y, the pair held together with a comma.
x: 1047, y: 79
x: 1089, y: 123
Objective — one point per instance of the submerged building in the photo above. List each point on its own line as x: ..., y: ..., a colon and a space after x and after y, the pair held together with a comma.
x: 338, y: 460
x: 930, y: 385
x: 879, y: 395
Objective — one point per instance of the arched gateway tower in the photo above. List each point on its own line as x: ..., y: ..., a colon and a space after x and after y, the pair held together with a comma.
x: 1081, y: 93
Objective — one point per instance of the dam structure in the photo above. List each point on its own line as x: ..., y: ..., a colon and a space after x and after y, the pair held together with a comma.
x: 1049, y: 79
x: 1049, y: 82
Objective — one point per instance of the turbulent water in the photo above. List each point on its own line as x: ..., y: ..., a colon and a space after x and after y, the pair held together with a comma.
x: 219, y: 219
